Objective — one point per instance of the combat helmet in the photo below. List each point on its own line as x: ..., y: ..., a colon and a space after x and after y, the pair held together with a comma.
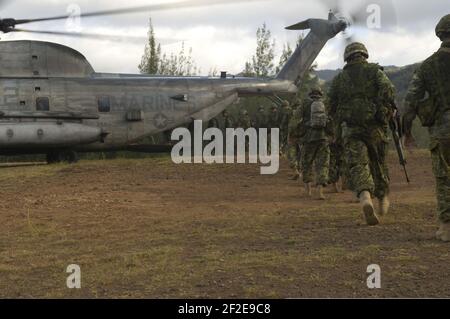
x: 316, y: 91
x: 443, y: 26
x: 285, y: 103
x: 354, y: 48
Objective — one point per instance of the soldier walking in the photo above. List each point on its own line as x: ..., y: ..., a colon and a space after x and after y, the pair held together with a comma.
x: 360, y: 99
x: 261, y: 118
x: 429, y: 99
x: 285, y: 116
x: 314, y: 134
x: 293, y: 146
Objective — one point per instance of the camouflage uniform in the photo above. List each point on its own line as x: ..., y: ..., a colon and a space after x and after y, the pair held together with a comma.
x: 358, y: 97
x: 213, y: 123
x: 293, y: 147
x: 228, y: 121
x: 336, y: 165
x: 286, y: 114
x: 245, y: 122
x: 315, y: 147
x: 261, y: 118
x: 274, y: 117
x: 429, y: 98
x: 273, y: 122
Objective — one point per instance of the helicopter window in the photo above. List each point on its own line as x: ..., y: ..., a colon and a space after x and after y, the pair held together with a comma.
x: 42, y: 104
x: 104, y: 105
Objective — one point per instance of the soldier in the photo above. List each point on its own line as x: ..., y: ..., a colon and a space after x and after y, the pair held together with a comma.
x: 228, y: 121
x: 336, y: 165
x: 274, y: 117
x: 244, y: 121
x: 314, y: 134
x: 273, y: 122
x: 360, y: 101
x: 261, y: 118
x: 293, y: 146
x: 429, y: 99
x: 213, y: 123
x: 286, y: 114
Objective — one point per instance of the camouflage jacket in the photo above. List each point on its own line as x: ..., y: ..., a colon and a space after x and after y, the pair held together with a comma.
x: 213, y: 123
x: 274, y: 119
x: 245, y: 122
x: 361, y: 98
x: 228, y: 122
x: 430, y: 88
x: 286, y: 115
x: 261, y: 119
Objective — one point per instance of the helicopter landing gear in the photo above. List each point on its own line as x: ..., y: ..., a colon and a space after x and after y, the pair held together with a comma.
x: 55, y: 157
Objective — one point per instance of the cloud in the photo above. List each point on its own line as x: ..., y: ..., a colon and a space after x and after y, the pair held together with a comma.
x: 223, y: 37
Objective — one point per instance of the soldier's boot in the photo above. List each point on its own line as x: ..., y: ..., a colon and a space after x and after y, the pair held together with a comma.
x: 384, y: 204
x: 336, y: 188
x: 368, y: 210
x: 320, y: 194
x: 444, y: 232
x: 308, y: 189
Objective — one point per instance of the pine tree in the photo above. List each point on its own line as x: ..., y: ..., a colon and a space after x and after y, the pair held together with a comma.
x: 151, y: 58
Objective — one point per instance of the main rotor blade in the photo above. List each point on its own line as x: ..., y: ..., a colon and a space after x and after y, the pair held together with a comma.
x: 96, y: 36
x: 155, y: 7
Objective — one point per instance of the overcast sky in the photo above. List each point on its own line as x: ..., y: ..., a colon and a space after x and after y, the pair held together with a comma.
x: 223, y: 37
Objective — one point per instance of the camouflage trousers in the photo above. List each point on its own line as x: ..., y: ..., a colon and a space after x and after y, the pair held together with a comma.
x: 440, y: 154
x: 293, y: 155
x: 316, y: 156
x: 366, y: 167
x: 336, y: 163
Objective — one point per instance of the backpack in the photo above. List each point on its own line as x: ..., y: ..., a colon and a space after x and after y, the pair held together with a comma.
x: 319, y: 116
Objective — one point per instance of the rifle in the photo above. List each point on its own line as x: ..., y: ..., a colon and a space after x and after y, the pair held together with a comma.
x: 397, y: 133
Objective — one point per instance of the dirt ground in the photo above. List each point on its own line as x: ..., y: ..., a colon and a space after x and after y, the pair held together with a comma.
x: 149, y: 228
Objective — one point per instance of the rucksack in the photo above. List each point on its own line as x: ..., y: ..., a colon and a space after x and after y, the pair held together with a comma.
x: 319, y: 116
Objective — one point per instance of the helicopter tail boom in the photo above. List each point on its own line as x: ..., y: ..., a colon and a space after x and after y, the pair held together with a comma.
x: 302, y: 59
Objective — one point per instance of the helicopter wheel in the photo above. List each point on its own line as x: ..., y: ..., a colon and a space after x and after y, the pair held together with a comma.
x: 70, y: 157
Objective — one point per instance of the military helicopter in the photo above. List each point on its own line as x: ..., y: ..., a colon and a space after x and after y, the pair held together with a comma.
x: 53, y: 102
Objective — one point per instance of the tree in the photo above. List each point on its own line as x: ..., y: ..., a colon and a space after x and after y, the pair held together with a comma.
x: 155, y: 62
x: 180, y: 64
x: 262, y: 63
x: 152, y: 53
